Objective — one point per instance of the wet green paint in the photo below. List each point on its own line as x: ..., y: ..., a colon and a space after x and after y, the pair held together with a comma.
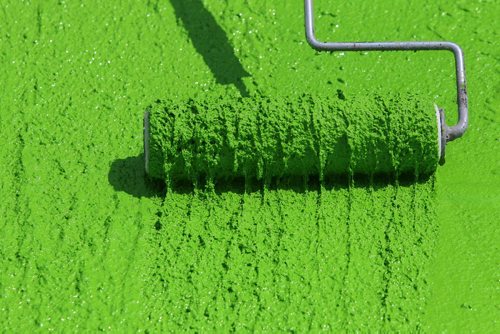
x: 293, y: 258
x: 88, y: 244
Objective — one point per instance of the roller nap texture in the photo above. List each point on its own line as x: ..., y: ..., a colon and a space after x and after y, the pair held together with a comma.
x: 258, y: 137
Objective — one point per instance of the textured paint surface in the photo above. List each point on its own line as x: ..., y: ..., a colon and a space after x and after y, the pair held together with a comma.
x: 88, y: 244
x: 293, y: 258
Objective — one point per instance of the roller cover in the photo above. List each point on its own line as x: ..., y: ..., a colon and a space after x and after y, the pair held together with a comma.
x: 260, y: 137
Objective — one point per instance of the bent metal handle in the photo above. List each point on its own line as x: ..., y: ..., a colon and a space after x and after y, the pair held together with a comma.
x: 451, y: 132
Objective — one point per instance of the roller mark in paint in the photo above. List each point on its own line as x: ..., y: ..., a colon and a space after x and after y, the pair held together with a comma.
x: 278, y: 258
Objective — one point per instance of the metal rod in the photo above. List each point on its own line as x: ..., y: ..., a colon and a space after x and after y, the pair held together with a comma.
x: 452, y: 132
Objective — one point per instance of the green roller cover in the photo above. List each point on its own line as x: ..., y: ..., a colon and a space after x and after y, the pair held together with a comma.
x: 260, y: 137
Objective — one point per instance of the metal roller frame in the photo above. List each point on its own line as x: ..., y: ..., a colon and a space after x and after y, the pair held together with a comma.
x: 448, y: 133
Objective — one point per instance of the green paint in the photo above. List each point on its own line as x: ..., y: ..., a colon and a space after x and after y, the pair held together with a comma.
x: 87, y: 244
x: 300, y: 259
x: 262, y: 138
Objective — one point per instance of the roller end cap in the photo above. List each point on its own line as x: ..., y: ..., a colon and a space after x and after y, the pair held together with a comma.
x: 442, y: 134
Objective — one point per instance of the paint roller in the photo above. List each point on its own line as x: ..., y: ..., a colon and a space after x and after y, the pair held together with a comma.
x: 260, y: 137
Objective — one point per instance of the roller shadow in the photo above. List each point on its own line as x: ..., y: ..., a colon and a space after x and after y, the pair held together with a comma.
x: 302, y: 184
x: 128, y: 175
x: 211, y: 43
